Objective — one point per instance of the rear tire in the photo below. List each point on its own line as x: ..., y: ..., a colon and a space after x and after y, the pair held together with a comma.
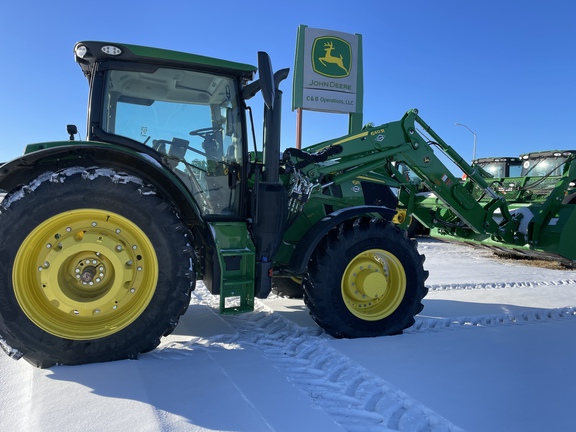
x: 365, y: 279
x: 95, y: 266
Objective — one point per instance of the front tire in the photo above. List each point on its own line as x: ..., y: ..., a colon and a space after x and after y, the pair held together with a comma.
x: 95, y: 266
x: 365, y: 279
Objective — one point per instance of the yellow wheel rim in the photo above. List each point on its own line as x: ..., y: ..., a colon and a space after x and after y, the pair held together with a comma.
x: 85, y: 274
x: 373, y: 284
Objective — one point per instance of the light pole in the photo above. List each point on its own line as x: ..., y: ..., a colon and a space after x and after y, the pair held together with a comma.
x: 473, y: 133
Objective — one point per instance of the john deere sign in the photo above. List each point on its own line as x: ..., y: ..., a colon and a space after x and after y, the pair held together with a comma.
x: 328, y: 71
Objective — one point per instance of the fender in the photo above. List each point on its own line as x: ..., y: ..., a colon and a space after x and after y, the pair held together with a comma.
x: 58, y: 155
x: 306, y: 246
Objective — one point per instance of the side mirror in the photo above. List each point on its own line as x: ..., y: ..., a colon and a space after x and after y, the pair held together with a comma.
x: 266, y: 78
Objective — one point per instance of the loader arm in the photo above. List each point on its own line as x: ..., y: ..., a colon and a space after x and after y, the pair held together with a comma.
x: 380, y: 149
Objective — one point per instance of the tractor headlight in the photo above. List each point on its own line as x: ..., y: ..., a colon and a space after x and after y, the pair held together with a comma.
x: 111, y: 50
x: 81, y: 51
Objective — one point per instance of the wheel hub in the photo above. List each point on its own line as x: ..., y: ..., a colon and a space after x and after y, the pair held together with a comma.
x: 369, y: 279
x: 92, y: 271
x: 88, y: 275
x: 374, y: 285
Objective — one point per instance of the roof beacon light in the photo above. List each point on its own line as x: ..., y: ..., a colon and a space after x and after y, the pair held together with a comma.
x: 111, y: 50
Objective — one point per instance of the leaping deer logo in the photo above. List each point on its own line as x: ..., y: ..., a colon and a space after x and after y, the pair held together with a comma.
x: 329, y: 58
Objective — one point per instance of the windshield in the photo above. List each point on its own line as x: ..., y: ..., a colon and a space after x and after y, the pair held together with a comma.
x: 502, y: 168
x: 496, y: 169
x: 543, y: 167
x: 191, y: 118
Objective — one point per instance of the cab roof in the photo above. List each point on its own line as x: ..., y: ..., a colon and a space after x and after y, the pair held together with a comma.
x: 547, y: 154
x: 87, y: 53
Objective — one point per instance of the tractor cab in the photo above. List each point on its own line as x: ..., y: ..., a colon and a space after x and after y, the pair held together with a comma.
x: 189, y: 113
x: 499, y: 167
x: 186, y: 113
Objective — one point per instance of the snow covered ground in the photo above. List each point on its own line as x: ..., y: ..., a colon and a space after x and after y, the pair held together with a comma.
x: 492, y: 351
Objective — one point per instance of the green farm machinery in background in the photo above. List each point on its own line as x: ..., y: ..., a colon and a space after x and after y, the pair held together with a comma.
x: 539, y: 191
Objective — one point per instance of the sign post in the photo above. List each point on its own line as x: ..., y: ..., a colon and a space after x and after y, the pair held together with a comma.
x: 328, y: 75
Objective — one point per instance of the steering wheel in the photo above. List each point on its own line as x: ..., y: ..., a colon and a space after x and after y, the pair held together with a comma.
x: 204, y: 132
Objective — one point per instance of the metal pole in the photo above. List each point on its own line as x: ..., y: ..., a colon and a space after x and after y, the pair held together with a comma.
x: 298, y: 128
x: 473, y: 133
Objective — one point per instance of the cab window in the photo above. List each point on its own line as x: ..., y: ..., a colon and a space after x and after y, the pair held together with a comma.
x: 191, y: 118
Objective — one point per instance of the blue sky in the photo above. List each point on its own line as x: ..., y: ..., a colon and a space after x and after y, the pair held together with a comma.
x: 504, y: 68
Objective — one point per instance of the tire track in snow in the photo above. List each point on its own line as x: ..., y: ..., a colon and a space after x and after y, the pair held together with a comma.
x: 498, y: 285
x: 529, y: 316
x: 357, y: 399
x: 354, y: 397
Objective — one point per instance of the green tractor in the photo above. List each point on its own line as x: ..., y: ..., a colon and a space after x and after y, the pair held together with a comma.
x: 104, y: 238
